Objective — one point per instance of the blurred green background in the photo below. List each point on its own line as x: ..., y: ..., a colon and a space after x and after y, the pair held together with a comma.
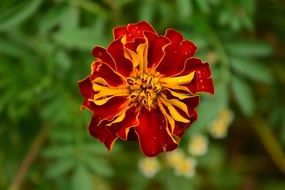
x: 237, y: 143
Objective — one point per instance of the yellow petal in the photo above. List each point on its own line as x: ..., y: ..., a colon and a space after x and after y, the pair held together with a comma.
x: 180, y: 80
x: 124, y: 40
x: 101, y: 101
x: 142, y: 54
x: 180, y: 105
x: 169, y: 119
x: 100, y: 80
x: 132, y: 56
x: 173, y: 112
x: 175, y: 87
x: 108, y: 91
x: 181, y: 96
x: 119, y: 118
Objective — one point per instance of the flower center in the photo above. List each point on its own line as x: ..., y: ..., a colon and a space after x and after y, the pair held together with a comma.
x: 144, y: 89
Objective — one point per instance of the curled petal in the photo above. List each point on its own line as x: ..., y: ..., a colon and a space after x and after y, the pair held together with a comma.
x: 203, y: 80
x: 85, y: 87
x: 130, y: 120
x: 116, y: 50
x: 103, y: 56
x: 176, y: 54
x: 132, y: 31
x: 156, y: 46
x: 110, y: 109
x: 152, y: 133
x: 102, y: 133
x: 180, y: 128
x: 104, y: 71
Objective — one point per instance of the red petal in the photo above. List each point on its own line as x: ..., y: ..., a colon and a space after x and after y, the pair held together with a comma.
x: 85, y: 87
x: 180, y: 128
x: 202, y: 81
x: 120, y: 31
x: 131, y: 120
x: 133, y: 31
x: 102, y: 133
x: 174, y: 36
x: 124, y: 66
x: 152, y: 133
x: 110, y: 109
x: 103, y: 56
x: 86, y: 90
x: 104, y: 71
x: 156, y: 46
x: 176, y: 54
x: 134, y: 44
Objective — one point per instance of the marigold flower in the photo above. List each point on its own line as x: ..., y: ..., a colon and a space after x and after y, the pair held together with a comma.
x: 186, y: 168
x: 149, y: 167
x: 175, y: 157
x: 198, y: 145
x: 144, y: 87
x: 219, y: 127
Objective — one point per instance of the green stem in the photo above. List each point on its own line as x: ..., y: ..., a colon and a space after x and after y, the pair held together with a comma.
x: 30, y: 157
x: 270, y: 143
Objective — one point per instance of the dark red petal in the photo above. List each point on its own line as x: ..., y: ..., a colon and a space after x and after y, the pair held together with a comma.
x: 133, y: 31
x: 124, y: 66
x: 104, y: 71
x: 110, y: 109
x: 103, y: 56
x: 85, y: 87
x: 174, y: 36
x: 176, y: 54
x: 120, y: 31
x: 102, y: 133
x: 86, y: 90
x: 152, y: 133
x: 180, y: 128
x: 156, y: 46
x: 202, y: 81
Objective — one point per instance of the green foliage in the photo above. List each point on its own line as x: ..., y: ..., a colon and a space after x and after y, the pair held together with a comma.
x: 45, y: 49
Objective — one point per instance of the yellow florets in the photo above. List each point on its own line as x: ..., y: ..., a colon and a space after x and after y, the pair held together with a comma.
x: 149, y: 167
x: 198, y: 145
x: 182, y: 165
x: 219, y: 127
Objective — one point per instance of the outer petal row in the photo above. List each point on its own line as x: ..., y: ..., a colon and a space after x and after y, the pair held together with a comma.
x: 132, y: 31
x: 176, y: 54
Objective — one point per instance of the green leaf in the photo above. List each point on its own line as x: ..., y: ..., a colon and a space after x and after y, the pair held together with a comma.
x: 11, y: 48
x: 224, y: 17
x: 60, y: 167
x: 62, y: 134
x: 184, y: 8
x: 70, y: 18
x: 95, y: 148
x: 251, y: 69
x: 79, y: 39
x: 243, y: 95
x: 59, y: 151
x: 249, y: 49
x: 99, y: 166
x: 51, y: 19
x: 81, y: 179
x: 18, y: 14
x: 63, y: 60
x: 146, y: 11
x: 203, y: 5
